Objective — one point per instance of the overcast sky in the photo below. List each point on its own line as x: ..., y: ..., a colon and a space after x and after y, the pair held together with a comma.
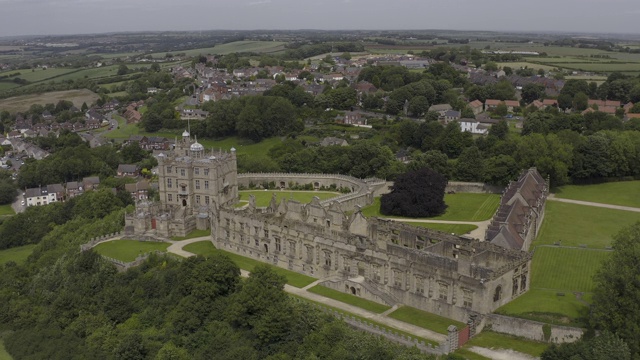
x: 31, y: 17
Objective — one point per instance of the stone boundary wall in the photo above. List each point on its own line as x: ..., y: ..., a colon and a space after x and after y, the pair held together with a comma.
x: 362, y: 325
x: 471, y: 187
x: 361, y: 195
x: 532, y: 330
x: 124, y: 266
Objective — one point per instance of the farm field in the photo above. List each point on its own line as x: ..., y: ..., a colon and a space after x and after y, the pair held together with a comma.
x: 263, y: 198
x: 566, y: 269
x: 206, y: 248
x: 42, y: 74
x: 625, y: 193
x: 22, y: 103
x: 349, y: 299
x: 492, y: 340
x: 461, y: 207
x: 424, y: 319
x: 603, y: 67
x: 7, y: 85
x: 128, y: 250
x: 457, y: 229
x: 18, y: 254
x: 236, y: 46
x: 575, y: 225
x: 530, y: 65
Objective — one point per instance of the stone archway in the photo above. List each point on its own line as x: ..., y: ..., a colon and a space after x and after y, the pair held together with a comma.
x: 184, y: 202
x: 353, y: 290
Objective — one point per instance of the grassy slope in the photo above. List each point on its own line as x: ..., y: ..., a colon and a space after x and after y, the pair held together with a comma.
x: 461, y: 207
x: 349, y: 299
x: 22, y: 103
x: 128, y: 250
x: 424, y: 319
x: 17, y: 254
x: 206, y: 248
x: 567, y: 270
x: 492, y: 340
x: 4, y: 355
x: 625, y: 193
x: 263, y: 198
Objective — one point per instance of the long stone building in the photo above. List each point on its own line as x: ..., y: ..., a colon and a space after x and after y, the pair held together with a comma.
x: 381, y: 260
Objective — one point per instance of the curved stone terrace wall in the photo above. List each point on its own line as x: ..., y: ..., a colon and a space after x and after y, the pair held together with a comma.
x: 361, y: 190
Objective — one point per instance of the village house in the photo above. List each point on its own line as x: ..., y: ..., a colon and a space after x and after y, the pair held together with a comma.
x: 491, y: 104
x: 127, y: 170
x: 138, y: 190
x: 451, y: 115
x: 441, y: 109
x: 333, y: 141
x: 476, y: 106
x: 90, y: 183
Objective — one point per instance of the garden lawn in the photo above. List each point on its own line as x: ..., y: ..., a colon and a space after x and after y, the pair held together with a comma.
x: 564, y: 269
x: 457, y: 229
x: 380, y: 325
x: 424, y: 319
x: 625, y: 193
x: 550, y: 306
x: 573, y: 225
x: 263, y: 198
x: 460, y: 207
x: 17, y: 254
x: 349, y: 299
x: 470, y: 355
x: 128, y: 250
x: 194, y: 234
x: 206, y: 248
x: 6, y: 210
x: 4, y: 355
x: 492, y: 340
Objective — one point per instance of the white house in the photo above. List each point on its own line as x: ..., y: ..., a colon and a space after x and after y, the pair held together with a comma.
x: 473, y: 126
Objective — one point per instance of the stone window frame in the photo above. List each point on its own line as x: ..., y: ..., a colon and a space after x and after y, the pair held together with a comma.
x: 196, y: 171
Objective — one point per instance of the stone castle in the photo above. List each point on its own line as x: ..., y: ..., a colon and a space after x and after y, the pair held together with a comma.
x: 377, y: 259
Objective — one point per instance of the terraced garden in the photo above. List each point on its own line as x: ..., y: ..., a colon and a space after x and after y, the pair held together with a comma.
x: 128, y: 250
x: 263, y: 198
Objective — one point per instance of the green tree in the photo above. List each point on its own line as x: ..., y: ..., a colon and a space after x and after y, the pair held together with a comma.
x: 8, y: 192
x: 470, y: 165
x: 500, y: 170
x: 531, y: 92
x: 617, y: 290
x: 580, y: 101
x: 123, y: 69
x: 501, y: 110
x: 418, y: 105
x: 417, y: 193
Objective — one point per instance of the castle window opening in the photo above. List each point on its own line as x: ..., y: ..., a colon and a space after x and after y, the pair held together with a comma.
x: 444, y: 292
x: 206, y: 171
x: 515, y: 286
x: 168, y: 169
x: 197, y: 199
x: 278, y: 245
x: 497, y: 295
x: 206, y: 184
x: 184, y: 202
x: 197, y: 184
x: 196, y: 171
x: 523, y: 283
x: 169, y: 197
x: 282, y: 184
x: 169, y: 184
x: 182, y: 172
x: 206, y: 200
x: 316, y: 185
x: 266, y: 248
x: 353, y: 290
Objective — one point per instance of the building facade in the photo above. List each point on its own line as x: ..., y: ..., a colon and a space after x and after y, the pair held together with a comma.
x: 380, y: 260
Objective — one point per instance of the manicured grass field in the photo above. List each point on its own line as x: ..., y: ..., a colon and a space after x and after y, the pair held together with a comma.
x: 457, y: 229
x: 22, y: 103
x: 18, y: 254
x: 565, y: 269
x: 232, y: 47
x: 41, y: 74
x: 6, y: 210
x: 550, y: 306
x: 461, y: 207
x: 263, y: 198
x: 128, y: 250
x: 349, y: 299
x: 492, y: 340
x: 424, y: 319
x: 206, y: 248
x: 194, y: 234
x: 518, y: 65
x: 625, y: 193
x: 572, y: 225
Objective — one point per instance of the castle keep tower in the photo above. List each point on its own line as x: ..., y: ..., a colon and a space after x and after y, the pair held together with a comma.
x: 192, y: 183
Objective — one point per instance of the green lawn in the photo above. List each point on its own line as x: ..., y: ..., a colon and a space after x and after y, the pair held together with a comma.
x: 263, y: 198
x: 470, y: 355
x: 18, y: 254
x: 6, y: 210
x: 461, y: 207
x: 573, y: 225
x: 492, y: 340
x: 564, y: 269
x: 4, y: 355
x: 349, y: 299
x: 625, y: 193
x: 40, y: 74
x: 424, y: 319
x: 382, y: 326
x: 206, y: 248
x: 550, y: 306
x: 193, y: 234
x: 128, y: 250
x: 457, y: 229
